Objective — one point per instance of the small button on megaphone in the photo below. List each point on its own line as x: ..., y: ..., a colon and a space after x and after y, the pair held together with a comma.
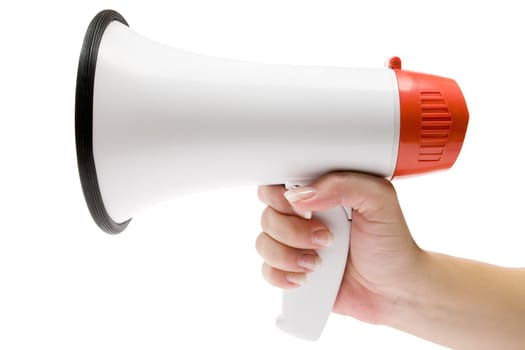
x: 154, y: 122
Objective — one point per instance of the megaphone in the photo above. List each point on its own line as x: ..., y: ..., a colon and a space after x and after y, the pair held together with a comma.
x: 154, y: 122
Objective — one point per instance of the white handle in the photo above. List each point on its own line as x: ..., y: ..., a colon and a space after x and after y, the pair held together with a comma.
x: 305, y: 309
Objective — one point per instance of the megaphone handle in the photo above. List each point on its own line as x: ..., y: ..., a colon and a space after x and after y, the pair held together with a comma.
x: 306, y: 309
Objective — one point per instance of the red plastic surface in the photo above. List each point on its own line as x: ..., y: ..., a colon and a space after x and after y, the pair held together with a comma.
x: 433, y: 122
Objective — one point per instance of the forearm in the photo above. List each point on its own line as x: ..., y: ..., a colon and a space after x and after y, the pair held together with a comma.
x: 463, y: 304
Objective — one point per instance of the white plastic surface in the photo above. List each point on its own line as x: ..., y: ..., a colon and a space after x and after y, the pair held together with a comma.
x: 167, y: 122
x: 306, y: 309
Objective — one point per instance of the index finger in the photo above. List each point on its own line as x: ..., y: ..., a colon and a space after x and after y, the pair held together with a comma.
x: 273, y: 196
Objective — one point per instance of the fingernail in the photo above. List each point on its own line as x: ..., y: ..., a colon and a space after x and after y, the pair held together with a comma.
x: 300, y: 193
x: 310, y: 262
x: 296, y: 278
x: 323, y: 238
x: 305, y: 214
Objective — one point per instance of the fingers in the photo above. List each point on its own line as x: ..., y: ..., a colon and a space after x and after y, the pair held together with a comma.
x: 288, y: 242
x: 294, y: 231
x: 282, y: 279
x: 286, y: 258
x: 372, y: 196
x: 274, y: 197
x: 287, y: 247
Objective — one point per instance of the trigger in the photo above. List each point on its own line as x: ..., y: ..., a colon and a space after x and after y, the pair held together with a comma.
x: 348, y: 212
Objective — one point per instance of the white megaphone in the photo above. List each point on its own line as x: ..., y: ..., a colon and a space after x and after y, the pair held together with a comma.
x: 153, y: 122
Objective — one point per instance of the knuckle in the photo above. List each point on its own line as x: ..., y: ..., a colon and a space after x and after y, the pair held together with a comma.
x: 339, y: 179
x: 269, y: 196
x: 277, y: 203
x: 268, y: 273
x: 265, y: 271
x: 261, y: 193
x: 384, y: 184
x: 259, y: 243
x: 278, y: 256
x: 287, y: 229
x: 265, y: 218
x: 274, y: 198
x: 383, y: 190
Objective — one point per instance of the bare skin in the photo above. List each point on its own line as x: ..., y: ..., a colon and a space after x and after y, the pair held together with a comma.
x: 389, y: 280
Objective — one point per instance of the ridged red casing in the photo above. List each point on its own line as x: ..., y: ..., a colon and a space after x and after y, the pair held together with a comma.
x: 433, y: 122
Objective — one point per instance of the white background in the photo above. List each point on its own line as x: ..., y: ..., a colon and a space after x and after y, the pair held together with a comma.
x: 185, y: 274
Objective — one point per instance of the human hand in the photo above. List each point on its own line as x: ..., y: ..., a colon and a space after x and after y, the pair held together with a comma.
x: 383, y: 257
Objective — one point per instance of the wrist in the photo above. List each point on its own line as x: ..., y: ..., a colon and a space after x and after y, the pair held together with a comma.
x: 406, y: 299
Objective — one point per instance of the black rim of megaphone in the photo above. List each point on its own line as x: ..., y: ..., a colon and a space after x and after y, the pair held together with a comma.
x: 84, y: 120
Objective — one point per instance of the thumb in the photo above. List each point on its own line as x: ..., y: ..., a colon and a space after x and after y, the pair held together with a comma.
x: 373, y: 197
